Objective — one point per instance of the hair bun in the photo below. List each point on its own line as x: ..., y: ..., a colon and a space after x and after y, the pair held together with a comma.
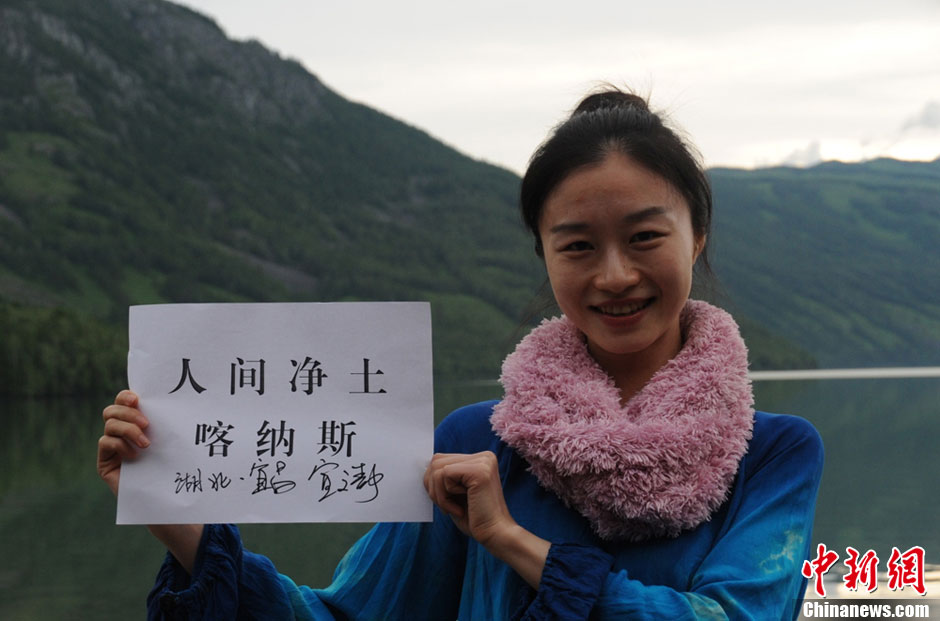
x: 611, y: 98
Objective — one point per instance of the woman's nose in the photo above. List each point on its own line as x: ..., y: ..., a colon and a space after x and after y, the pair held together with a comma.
x: 616, y: 273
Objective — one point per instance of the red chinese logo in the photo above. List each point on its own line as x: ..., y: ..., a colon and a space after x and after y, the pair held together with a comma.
x: 862, y: 569
x: 818, y: 567
x: 907, y: 569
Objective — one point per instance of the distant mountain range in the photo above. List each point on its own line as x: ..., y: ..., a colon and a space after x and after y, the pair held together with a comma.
x: 144, y: 157
x: 842, y: 259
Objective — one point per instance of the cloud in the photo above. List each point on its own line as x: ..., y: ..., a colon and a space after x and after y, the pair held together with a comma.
x: 928, y: 117
x: 805, y: 156
x: 750, y: 84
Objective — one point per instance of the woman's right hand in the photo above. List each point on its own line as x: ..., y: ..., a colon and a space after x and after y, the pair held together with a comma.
x: 123, y: 437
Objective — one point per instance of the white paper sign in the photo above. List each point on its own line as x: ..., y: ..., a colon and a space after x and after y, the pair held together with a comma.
x: 280, y: 413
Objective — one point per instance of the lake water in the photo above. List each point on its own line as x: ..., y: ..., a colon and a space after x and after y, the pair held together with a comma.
x: 65, y: 558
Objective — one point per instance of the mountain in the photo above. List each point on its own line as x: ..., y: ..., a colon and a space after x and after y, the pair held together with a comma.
x: 145, y: 157
x: 841, y: 259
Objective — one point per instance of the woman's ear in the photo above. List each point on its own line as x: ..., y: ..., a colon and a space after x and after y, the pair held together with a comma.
x: 698, y: 246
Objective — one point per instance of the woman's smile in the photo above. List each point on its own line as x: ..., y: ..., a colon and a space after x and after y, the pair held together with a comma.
x: 622, y: 315
x: 616, y: 308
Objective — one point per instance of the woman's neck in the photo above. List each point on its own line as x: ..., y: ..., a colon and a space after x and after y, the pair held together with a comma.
x: 630, y: 372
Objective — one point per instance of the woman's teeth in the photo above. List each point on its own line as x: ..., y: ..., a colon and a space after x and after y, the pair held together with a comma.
x: 627, y: 309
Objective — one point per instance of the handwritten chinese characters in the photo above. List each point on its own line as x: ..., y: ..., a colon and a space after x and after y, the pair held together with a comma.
x: 280, y: 413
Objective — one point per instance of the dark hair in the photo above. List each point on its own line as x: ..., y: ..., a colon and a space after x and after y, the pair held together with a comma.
x: 613, y: 121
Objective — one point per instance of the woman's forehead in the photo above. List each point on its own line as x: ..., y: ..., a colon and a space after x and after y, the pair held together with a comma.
x: 616, y: 186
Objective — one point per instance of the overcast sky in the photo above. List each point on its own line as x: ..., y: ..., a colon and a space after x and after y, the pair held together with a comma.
x: 752, y: 83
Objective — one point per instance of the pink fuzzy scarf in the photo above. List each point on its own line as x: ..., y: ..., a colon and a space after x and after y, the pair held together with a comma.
x: 660, y: 464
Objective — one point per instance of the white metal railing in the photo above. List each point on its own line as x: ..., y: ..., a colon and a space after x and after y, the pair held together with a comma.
x: 804, y: 374
x: 864, y: 373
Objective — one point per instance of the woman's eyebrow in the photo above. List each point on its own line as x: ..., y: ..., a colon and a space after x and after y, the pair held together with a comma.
x: 568, y: 227
x: 645, y: 214
x: 633, y: 218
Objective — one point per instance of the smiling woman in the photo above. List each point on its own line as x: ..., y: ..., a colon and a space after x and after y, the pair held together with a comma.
x: 625, y: 473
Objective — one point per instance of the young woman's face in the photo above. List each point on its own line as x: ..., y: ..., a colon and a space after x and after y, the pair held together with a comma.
x: 619, y: 250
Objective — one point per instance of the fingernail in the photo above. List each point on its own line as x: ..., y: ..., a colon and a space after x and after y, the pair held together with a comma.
x: 144, y: 442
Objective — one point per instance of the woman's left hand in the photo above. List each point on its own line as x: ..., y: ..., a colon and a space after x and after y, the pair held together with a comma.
x: 468, y: 489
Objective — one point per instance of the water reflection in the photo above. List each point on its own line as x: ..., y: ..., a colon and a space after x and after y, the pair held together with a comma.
x: 62, y: 553
x: 882, y: 467
x: 57, y: 520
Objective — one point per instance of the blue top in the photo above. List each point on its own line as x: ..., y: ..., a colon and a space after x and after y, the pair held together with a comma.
x: 742, y: 564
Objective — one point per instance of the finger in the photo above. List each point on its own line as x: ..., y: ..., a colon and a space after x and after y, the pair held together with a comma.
x: 110, y: 447
x: 427, y: 479
x: 128, y: 431
x: 128, y: 398
x: 452, y: 473
x: 445, y: 459
x: 454, y: 486
x: 127, y: 406
x: 478, y: 480
x: 464, y: 476
x: 432, y: 473
x: 436, y: 488
x: 454, y: 506
x: 125, y: 413
x: 485, y: 461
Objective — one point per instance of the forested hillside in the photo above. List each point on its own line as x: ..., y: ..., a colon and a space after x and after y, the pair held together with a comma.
x: 145, y: 157
x: 842, y: 259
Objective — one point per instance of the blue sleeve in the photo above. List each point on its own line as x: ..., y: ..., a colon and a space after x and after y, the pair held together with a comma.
x: 571, y: 582
x: 397, y: 570
x: 751, y: 572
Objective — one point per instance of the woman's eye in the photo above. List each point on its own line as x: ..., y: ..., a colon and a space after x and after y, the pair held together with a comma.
x: 577, y: 246
x: 645, y: 236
